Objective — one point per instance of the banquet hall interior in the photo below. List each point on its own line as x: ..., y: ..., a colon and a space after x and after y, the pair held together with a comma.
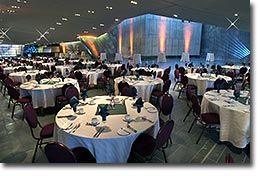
x: 120, y: 81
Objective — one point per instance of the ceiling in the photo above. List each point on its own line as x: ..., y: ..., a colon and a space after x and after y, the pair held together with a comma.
x: 23, y: 21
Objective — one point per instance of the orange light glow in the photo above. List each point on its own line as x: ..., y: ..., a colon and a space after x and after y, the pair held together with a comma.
x: 119, y: 38
x: 89, y: 41
x: 162, y: 34
x: 187, y: 37
x: 63, y: 47
x: 131, y: 37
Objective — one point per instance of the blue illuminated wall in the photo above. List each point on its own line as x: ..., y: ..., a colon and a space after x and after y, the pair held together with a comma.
x: 227, y: 45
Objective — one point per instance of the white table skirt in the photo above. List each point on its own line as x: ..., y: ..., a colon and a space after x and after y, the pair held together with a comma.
x: 234, y: 121
x: 144, y: 87
x: 109, y: 147
x: 157, y: 70
x: 204, y: 82
x: 44, y: 95
x: 21, y: 76
x: 93, y: 75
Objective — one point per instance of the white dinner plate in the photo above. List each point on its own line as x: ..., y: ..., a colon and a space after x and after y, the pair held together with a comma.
x: 122, y: 132
x: 151, y: 109
x: 246, y: 110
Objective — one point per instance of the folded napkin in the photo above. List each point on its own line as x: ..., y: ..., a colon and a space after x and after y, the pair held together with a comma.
x: 38, y: 78
x: 74, y: 103
x: 139, y: 104
x: 84, y: 94
x: 28, y: 77
x: 133, y: 92
x: 103, y: 111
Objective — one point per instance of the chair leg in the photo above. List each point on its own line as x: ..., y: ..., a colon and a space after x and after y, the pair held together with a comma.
x: 192, y: 124
x: 175, y: 85
x: 9, y: 103
x: 164, y: 155
x: 200, y: 135
x: 188, y: 113
x: 180, y: 93
x: 13, y: 110
x: 35, y: 151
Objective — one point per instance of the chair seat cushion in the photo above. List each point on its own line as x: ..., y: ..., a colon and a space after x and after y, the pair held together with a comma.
x: 47, y: 131
x: 210, y: 118
x: 61, y: 98
x: 157, y: 93
x: 24, y: 100
x: 83, y: 155
x: 144, y: 145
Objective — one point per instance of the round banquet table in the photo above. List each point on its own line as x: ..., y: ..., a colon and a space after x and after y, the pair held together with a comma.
x: 8, y: 70
x: 236, y: 68
x: 157, y: 70
x: 113, y: 145
x: 206, y: 81
x: 234, y: 116
x: 93, y: 74
x: 112, y: 67
x: 144, y: 85
x: 44, y: 94
x: 21, y: 76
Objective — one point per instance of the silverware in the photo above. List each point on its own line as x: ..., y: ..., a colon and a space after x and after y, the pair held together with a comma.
x: 72, y: 130
x: 146, y: 119
x: 131, y: 128
x: 97, y: 132
x: 68, y: 127
x: 100, y: 131
x: 125, y: 130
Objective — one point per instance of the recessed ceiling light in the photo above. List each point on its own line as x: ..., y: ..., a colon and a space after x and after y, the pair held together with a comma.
x: 91, y: 11
x: 85, y: 32
x: 18, y: 0
x: 236, y: 14
x: 52, y: 28
x: 77, y: 14
x: 24, y: 2
x: 175, y: 15
x: 134, y: 2
x: 94, y: 28
x: 109, y: 7
x: 58, y: 23
x: 101, y: 24
x: 116, y: 19
x: 64, y: 19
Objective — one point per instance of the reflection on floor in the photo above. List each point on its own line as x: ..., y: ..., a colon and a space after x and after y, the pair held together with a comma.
x: 17, y: 144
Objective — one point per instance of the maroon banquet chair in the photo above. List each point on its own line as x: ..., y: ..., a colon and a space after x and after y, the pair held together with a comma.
x: 43, y: 132
x: 59, y: 153
x: 191, y: 89
x: 183, y: 82
x: 61, y: 99
x: 205, y: 119
x: 16, y: 99
x: 145, y: 146
x: 70, y: 92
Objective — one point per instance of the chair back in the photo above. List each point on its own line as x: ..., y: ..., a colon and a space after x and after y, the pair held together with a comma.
x: 167, y: 85
x: 221, y: 84
x: 242, y: 70
x: 64, y: 87
x: 70, y: 92
x: 126, y: 91
x: 107, y: 73
x: 78, y: 75
x: 165, y: 77
x: 121, y: 85
x: 8, y: 81
x: 189, y: 92
x: 184, y: 80
x: 12, y: 92
x: 176, y: 74
x: 164, y: 134
x: 196, y: 105
x: 30, y: 115
x: 59, y: 153
x: 182, y: 70
x: 167, y: 104
x: 167, y: 70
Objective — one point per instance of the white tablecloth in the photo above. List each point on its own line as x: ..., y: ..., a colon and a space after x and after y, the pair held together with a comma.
x: 234, y: 120
x: 137, y: 59
x: 144, y: 87
x: 109, y: 147
x: 118, y: 57
x: 21, y: 76
x: 207, y: 81
x: 157, y: 70
x: 7, y: 70
x: 185, y: 57
x: 112, y: 67
x: 235, y: 68
x: 93, y: 75
x: 210, y: 57
x: 44, y: 94
x: 161, y: 57
x: 103, y: 56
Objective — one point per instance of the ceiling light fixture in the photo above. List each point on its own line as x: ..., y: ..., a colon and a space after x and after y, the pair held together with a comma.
x: 24, y: 2
x: 52, y: 28
x: 116, y: 19
x: 58, y: 23
x: 64, y: 19
x: 91, y: 11
x: 236, y: 14
x: 109, y: 7
x: 175, y: 15
x: 101, y: 24
x: 94, y: 28
x: 134, y: 2
x: 77, y: 14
